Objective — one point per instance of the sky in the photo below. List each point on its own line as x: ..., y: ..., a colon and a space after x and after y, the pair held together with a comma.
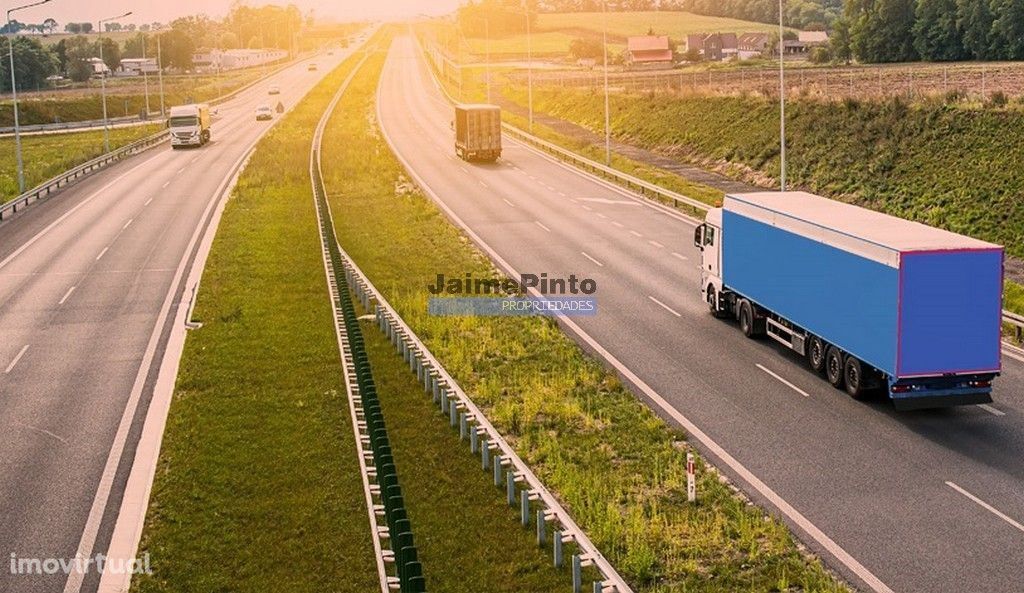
x: 147, y: 11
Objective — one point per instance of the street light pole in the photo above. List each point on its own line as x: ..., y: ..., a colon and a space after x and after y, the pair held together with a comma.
x: 103, y: 80
x: 160, y: 75
x: 145, y: 75
x: 14, y: 93
x: 782, y: 103
x: 487, y: 64
x: 529, y: 65
x: 607, y: 108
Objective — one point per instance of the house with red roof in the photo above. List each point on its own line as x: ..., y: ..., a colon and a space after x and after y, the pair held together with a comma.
x: 648, y: 52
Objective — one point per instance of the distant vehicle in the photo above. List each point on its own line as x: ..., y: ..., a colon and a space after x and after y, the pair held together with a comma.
x: 477, y: 132
x: 264, y: 113
x: 274, y: 90
x: 330, y: 53
x: 872, y: 301
x: 311, y: 67
x: 189, y: 125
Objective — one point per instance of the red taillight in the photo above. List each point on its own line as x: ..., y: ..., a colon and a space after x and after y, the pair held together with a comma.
x: 980, y: 384
x: 901, y: 388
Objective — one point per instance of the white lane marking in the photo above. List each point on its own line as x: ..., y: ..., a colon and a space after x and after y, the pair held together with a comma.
x: 464, y: 169
x: 482, y: 184
x: 679, y: 256
x: 541, y: 225
x: 127, y: 224
x: 164, y: 186
x: 66, y: 295
x: 602, y: 215
x: 182, y: 170
x: 194, y: 159
x: 715, y: 449
x: 656, y: 244
x: 53, y: 224
x: 986, y: 506
x: 563, y: 194
x: 10, y: 367
x: 509, y: 203
x: 102, y: 253
x: 618, y: 224
x: 991, y: 410
x: 783, y: 381
x: 632, y: 232
x: 592, y: 259
x: 666, y: 307
x: 587, y: 208
x: 147, y: 202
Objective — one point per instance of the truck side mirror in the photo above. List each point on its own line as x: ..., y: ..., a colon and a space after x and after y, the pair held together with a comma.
x: 698, y: 237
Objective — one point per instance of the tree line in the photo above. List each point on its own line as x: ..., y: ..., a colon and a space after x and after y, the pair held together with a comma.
x: 253, y: 27
x: 931, y: 30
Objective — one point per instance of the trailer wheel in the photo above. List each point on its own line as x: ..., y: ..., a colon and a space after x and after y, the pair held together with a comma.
x: 747, y: 319
x: 834, y: 367
x: 853, y: 376
x: 816, y: 354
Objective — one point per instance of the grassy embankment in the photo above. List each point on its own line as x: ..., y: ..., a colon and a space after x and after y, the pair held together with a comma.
x: 258, y: 486
x: 125, y: 97
x: 945, y: 166
x: 46, y: 156
x: 617, y: 466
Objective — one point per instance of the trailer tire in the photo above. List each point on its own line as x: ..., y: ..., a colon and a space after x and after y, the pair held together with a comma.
x: 747, y: 319
x: 816, y: 349
x: 834, y: 368
x: 853, y: 377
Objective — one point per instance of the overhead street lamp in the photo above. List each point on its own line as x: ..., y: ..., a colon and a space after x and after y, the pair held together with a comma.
x: 607, y: 108
x: 103, y: 80
x: 14, y: 93
x: 782, y: 103
x: 529, y: 65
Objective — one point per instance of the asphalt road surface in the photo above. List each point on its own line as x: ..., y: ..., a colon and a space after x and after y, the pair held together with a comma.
x: 84, y: 277
x: 922, y: 501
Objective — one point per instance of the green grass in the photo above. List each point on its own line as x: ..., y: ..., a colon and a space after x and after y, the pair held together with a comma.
x: 46, y: 156
x: 617, y: 467
x: 1013, y: 298
x: 944, y: 166
x: 125, y: 97
x: 258, y: 486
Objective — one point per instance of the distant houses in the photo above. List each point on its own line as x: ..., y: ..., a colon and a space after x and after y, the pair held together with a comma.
x: 648, y: 52
x: 717, y: 47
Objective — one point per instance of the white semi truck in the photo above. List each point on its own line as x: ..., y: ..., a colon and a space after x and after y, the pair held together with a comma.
x: 189, y: 125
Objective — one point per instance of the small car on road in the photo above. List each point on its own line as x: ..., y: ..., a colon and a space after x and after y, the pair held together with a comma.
x: 274, y: 90
x: 264, y: 113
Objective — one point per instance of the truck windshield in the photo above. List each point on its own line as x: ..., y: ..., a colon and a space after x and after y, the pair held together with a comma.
x: 182, y: 121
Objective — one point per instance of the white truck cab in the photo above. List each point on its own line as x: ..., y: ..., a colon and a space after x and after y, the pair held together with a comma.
x: 708, y: 238
x: 189, y: 125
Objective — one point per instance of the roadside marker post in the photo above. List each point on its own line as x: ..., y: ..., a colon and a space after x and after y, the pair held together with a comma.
x: 691, y: 483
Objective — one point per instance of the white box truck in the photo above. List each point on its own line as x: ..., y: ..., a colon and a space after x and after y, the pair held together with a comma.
x: 189, y: 125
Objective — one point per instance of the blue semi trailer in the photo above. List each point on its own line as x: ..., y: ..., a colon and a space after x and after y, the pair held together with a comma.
x: 873, y: 302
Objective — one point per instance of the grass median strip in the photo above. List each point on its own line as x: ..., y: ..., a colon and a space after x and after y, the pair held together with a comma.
x: 258, y: 485
x: 618, y: 467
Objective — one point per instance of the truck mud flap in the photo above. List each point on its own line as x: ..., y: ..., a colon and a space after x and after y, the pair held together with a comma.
x: 924, y: 402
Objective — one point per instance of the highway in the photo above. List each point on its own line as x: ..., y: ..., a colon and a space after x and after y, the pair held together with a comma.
x: 87, y: 281
x: 895, y: 501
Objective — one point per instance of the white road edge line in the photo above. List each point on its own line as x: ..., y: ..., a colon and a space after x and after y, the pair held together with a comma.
x: 127, y: 224
x: 102, y: 253
x: 63, y: 217
x: 127, y: 533
x: 664, y: 306
x: 592, y: 259
x: 541, y: 225
x: 66, y: 295
x: 783, y: 381
x: 679, y: 256
x: 986, y: 506
x: 17, y: 358
x: 798, y: 519
x: 992, y: 410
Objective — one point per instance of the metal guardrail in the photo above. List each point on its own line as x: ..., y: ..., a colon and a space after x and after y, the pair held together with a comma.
x: 83, y: 124
x: 644, y: 188
x: 44, y: 189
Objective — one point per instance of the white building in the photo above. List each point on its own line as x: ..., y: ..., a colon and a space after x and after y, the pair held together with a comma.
x: 233, y: 59
x: 99, y: 67
x: 137, y: 66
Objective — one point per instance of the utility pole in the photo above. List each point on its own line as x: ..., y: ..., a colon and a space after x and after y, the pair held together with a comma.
x: 14, y: 93
x: 782, y: 102
x: 607, y: 107
x: 103, y: 80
